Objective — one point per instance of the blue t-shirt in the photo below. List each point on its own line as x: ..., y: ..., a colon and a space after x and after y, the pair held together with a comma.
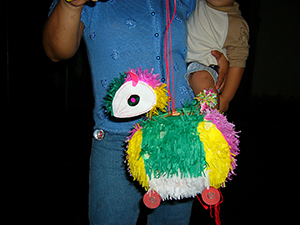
x: 129, y: 34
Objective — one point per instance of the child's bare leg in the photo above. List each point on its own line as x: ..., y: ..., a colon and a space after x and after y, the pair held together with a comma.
x: 201, y: 80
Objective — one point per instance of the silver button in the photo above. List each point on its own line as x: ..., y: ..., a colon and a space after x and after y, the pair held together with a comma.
x: 98, y: 135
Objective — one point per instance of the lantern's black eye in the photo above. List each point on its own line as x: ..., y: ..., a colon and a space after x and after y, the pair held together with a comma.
x: 133, y: 100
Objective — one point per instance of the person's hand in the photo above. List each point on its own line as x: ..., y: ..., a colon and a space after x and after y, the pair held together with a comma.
x: 77, y: 3
x: 223, y: 69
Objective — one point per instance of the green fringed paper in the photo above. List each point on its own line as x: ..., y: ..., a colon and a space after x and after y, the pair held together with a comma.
x: 172, y: 143
x: 113, y: 88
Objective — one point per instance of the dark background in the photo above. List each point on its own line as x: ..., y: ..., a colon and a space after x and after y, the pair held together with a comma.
x: 47, y: 122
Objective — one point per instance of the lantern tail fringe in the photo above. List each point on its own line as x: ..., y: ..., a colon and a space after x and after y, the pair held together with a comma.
x: 207, y: 99
x: 228, y: 131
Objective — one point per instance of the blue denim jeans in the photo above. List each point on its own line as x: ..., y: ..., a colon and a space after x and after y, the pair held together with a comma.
x: 114, y: 198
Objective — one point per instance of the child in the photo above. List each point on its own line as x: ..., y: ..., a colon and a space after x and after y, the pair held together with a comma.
x: 216, y: 25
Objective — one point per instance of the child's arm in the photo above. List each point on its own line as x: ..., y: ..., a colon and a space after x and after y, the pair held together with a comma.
x: 232, y: 83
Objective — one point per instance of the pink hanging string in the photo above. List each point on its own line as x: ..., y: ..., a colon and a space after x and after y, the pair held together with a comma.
x: 169, y: 56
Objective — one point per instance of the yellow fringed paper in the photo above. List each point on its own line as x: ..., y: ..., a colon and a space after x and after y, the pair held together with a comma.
x: 217, y: 153
x: 136, y: 161
x: 161, y: 101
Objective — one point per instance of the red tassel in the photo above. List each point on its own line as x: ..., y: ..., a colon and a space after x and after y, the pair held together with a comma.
x: 217, y: 214
x: 216, y: 208
x: 204, y: 206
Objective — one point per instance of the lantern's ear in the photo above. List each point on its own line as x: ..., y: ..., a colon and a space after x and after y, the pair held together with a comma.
x: 134, y: 78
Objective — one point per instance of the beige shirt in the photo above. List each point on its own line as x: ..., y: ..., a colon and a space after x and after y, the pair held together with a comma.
x: 217, y: 28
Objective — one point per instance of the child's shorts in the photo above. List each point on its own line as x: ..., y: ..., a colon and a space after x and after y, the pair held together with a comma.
x: 195, y: 66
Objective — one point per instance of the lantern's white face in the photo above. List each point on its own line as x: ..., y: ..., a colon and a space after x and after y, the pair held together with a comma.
x: 133, y: 98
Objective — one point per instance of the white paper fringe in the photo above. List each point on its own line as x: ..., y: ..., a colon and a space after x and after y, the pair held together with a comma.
x: 178, y: 188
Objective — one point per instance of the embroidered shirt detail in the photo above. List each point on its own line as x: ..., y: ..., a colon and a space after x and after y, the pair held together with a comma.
x: 104, y: 82
x: 92, y: 35
x: 115, y: 54
x: 131, y: 23
x: 183, y: 90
